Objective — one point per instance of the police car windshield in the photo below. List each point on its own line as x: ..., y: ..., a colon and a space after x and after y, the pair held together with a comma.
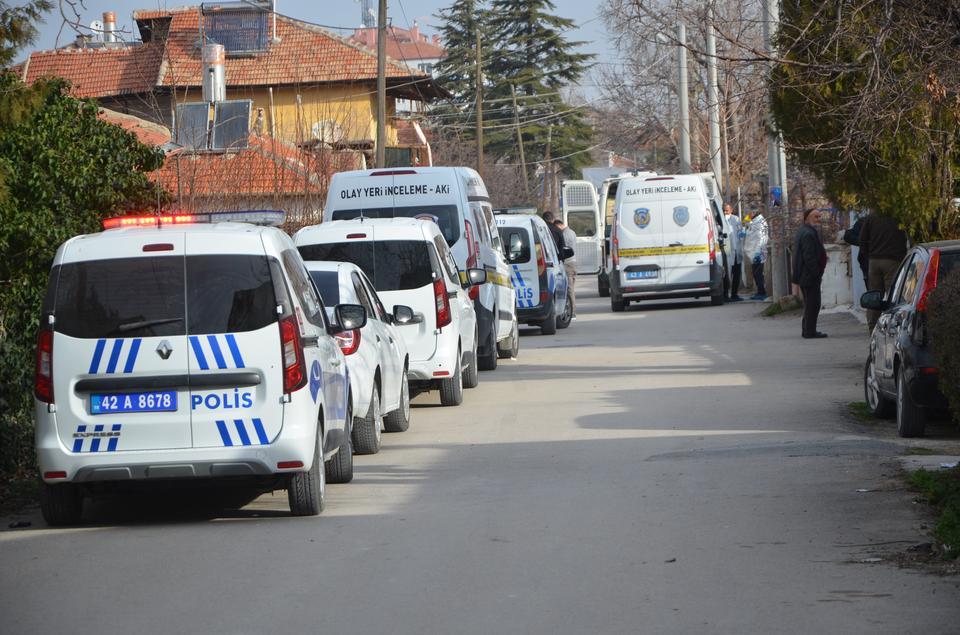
x: 147, y: 297
x: 391, y: 265
x: 443, y: 215
x: 328, y: 283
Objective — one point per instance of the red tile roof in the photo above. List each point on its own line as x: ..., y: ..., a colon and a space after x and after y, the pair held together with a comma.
x: 402, y: 44
x: 147, y: 132
x: 267, y: 167
x: 305, y: 54
x: 99, y: 72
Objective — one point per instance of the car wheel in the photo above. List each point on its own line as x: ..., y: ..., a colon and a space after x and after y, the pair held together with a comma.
x: 489, y: 361
x: 471, y: 374
x: 451, y: 390
x: 367, y: 431
x: 399, y: 419
x: 61, y: 504
x: 877, y: 404
x: 717, y: 300
x: 510, y: 346
x: 339, y: 469
x: 549, y: 325
x: 563, y: 320
x: 911, y: 418
x: 307, y: 491
x: 617, y: 304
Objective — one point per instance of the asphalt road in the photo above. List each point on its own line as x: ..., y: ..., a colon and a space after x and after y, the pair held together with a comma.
x: 676, y: 468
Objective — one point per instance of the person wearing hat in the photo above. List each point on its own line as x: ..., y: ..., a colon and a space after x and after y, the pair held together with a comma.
x: 809, y: 263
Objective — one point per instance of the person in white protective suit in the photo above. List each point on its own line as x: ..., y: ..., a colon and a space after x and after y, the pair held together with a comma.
x: 755, y: 251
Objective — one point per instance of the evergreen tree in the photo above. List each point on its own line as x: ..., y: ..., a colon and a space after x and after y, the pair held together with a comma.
x: 457, y: 71
x: 527, y: 50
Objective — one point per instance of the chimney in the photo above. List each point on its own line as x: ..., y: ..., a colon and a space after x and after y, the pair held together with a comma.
x: 415, y: 32
x: 109, y: 27
x: 214, y: 74
x: 436, y: 40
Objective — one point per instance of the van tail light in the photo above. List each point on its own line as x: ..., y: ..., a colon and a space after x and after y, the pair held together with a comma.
x: 442, y: 303
x: 614, y: 245
x: 710, y: 242
x: 929, y: 281
x: 43, y: 377
x: 348, y: 341
x: 541, y: 262
x: 291, y: 350
x: 544, y: 296
x: 473, y: 256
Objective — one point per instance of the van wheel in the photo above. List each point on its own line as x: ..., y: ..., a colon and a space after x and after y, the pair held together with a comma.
x: 367, y: 431
x: 911, y: 418
x: 451, y: 390
x: 61, y: 504
x: 399, y: 419
x: 617, y: 304
x: 339, y: 469
x: 471, y: 375
x: 489, y: 361
x: 717, y: 300
x: 563, y: 320
x: 307, y: 491
x: 510, y: 346
x: 549, y: 325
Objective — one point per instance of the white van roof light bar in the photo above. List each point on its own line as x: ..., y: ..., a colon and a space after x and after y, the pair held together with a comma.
x: 269, y: 218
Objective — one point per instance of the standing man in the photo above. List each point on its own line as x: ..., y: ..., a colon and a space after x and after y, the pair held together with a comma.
x: 809, y: 262
x: 569, y: 263
x: 885, y: 245
x: 555, y: 231
x: 736, y: 252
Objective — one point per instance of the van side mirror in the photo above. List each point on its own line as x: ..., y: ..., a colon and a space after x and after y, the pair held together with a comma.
x: 403, y: 314
x: 349, y: 317
x: 475, y: 277
x: 874, y: 300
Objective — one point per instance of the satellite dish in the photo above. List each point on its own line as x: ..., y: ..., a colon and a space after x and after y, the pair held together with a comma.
x: 96, y: 30
x: 327, y: 131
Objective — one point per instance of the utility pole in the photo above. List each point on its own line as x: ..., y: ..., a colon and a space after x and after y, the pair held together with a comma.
x: 713, y: 99
x: 776, y: 167
x: 683, y: 91
x: 516, y: 122
x: 381, y: 84
x: 479, y: 73
x: 546, y: 169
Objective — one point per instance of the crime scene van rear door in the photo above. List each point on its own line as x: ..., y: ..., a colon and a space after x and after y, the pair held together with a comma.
x: 685, y: 231
x: 236, y: 370
x: 120, y: 348
x: 640, y: 238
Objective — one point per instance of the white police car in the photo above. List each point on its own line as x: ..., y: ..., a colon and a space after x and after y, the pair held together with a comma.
x: 409, y: 263
x: 184, y: 347
x: 376, y: 354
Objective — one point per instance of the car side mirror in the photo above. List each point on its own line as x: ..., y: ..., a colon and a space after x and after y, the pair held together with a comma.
x: 349, y: 317
x: 874, y: 300
x: 475, y: 277
x: 403, y: 314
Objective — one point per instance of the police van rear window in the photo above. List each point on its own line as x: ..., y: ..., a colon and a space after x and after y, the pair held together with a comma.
x: 445, y: 216
x: 163, y: 296
x: 391, y: 265
x: 328, y: 283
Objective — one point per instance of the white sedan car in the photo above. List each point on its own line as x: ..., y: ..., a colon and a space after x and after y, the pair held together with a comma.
x: 376, y: 354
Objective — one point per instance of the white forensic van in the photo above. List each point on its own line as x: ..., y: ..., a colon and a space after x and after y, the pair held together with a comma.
x: 664, y: 242
x: 606, y: 203
x: 456, y: 199
x: 179, y: 348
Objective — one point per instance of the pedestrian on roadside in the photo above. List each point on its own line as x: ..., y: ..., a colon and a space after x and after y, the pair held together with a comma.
x: 852, y: 237
x: 885, y: 245
x: 735, y: 239
x: 569, y: 263
x: 555, y: 231
x: 809, y: 263
x: 755, y: 250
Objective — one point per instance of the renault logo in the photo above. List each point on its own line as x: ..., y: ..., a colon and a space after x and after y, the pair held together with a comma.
x: 164, y: 349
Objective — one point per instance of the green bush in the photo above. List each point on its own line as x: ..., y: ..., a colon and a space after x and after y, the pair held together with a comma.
x: 944, y: 325
x: 62, y: 169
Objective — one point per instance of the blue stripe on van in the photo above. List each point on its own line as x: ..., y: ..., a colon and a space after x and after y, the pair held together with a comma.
x: 235, y: 350
x: 217, y: 354
x: 261, y: 433
x: 198, y: 352
x: 78, y: 443
x: 242, y: 431
x: 132, y: 355
x: 112, y: 444
x: 97, y: 355
x: 114, y: 356
x: 224, y: 435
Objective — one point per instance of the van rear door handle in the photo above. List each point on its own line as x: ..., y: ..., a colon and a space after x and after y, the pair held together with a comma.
x: 676, y: 244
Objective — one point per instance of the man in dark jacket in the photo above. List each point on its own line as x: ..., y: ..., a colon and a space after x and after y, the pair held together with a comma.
x: 809, y: 262
x: 885, y: 245
x: 555, y: 231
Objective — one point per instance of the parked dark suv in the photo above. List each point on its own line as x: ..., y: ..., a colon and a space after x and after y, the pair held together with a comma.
x: 901, y: 373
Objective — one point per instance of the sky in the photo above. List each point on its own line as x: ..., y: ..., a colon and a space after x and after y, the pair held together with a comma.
x: 339, y: 13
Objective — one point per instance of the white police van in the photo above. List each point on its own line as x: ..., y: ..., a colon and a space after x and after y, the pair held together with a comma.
x: 665, y: 241
x: 456, y: 199
x: 185, y: 347
x: 539, y: 279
